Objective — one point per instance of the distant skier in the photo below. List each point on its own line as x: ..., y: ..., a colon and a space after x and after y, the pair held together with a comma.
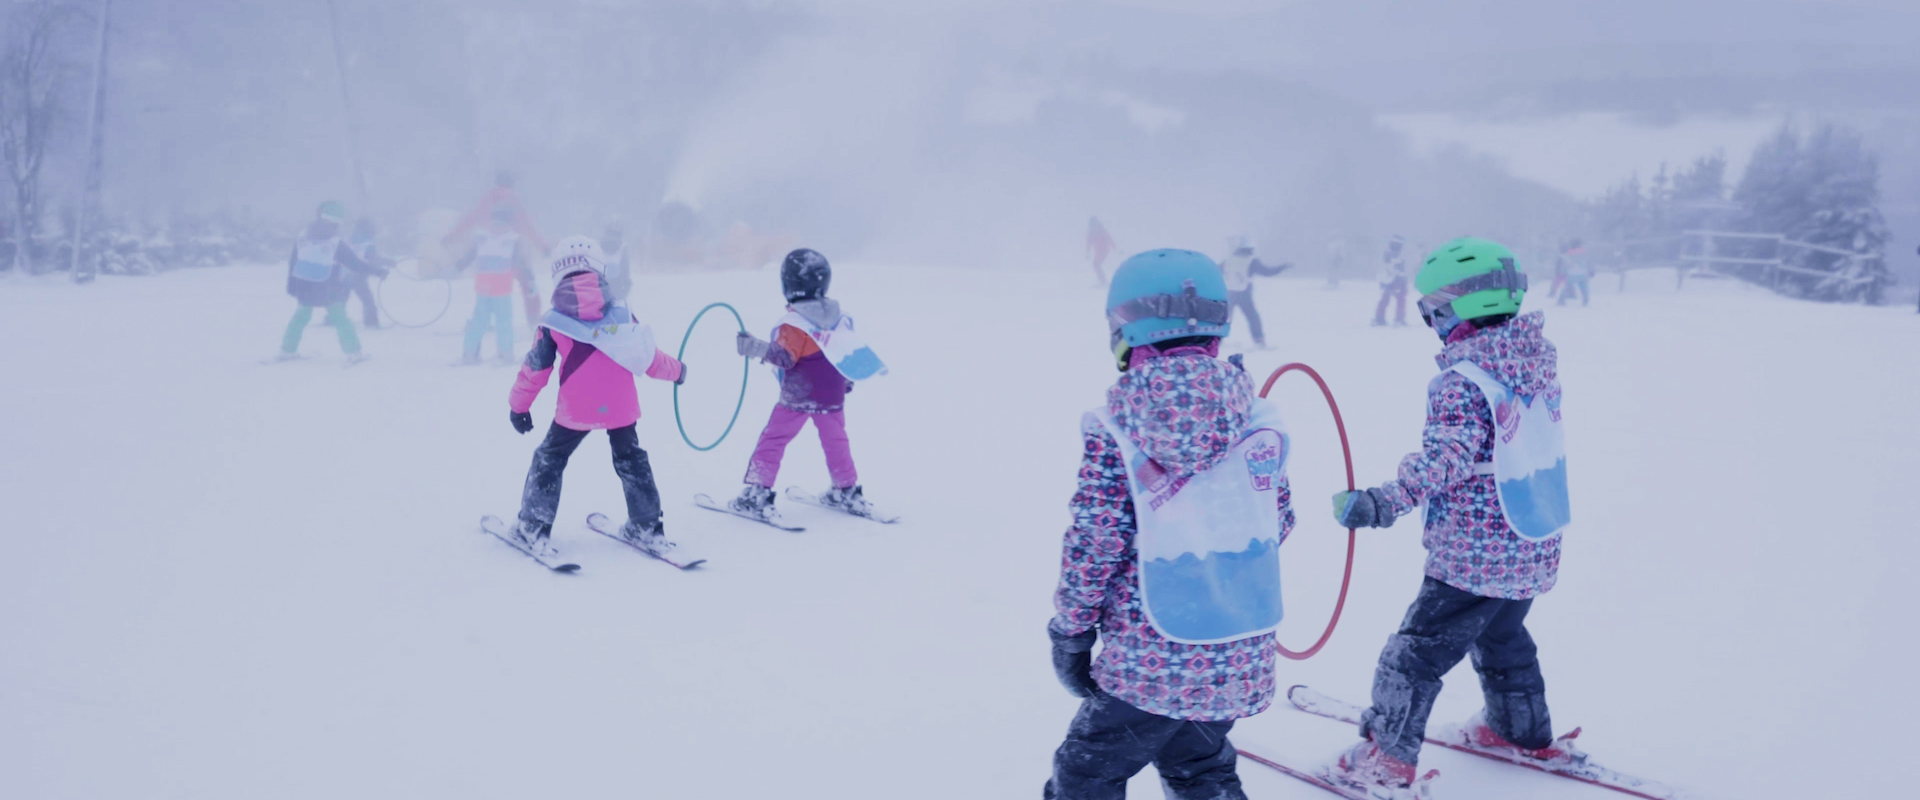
x: 1099, y: 246
x: 316, y: 277
x: 1173, y: 554
x: 497, y: 253
x: 1393, y: 283
x: 502, y: 196
x: 819, y: 357
x: 361, y: 240
x: 598, y: 346
x: 1579, y: 275
x: 1496, y: 508
x: 619, y: 266
x: 1336, y: 260
x: 1239, y: 270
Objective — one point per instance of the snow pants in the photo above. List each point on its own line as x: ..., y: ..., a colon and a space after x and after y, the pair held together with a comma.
x: 1581, y: 285
x: 336, y: 316
x: 1243, y: 300
x: 1395, y: 291
x: 490, y: 312
x: 785, y: 424
x: 1111, y: 741
x: 541, y: 498
x: 363, y: 289
x: 1444, y: 625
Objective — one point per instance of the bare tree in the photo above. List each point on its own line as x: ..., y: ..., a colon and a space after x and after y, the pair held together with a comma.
x: 32, y: 75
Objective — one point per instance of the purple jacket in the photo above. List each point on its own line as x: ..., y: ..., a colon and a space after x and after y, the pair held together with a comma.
x: 1469, y: 545
x: 1186, y: 412
x: 809, y: 383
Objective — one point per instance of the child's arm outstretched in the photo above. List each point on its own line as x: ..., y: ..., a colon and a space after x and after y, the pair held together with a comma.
x: 1457, y: 428
x: 666, y: 368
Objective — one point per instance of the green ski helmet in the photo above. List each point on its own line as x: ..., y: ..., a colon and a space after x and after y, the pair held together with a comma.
x: 1467, y: 279
x: 333, y: 211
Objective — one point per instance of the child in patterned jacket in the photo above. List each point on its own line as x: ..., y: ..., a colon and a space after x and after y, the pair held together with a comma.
x: 1492, y: 474
x: 1172, y: 558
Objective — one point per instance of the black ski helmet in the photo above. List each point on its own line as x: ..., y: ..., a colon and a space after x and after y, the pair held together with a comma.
x: 804, y: 275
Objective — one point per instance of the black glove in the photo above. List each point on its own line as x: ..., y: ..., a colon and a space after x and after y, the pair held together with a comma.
x: 383, y: 273
x: 683, y: 374
x: 849, y: 387
x: 1073, y: 661
x: 1366, y: 508
x: 522, y: 421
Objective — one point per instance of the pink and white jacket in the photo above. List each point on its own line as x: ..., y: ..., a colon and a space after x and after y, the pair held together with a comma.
x: 596, y: 393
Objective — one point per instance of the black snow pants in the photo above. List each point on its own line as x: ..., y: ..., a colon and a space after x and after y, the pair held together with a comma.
x: 1444, y: 625
x: 541, y: 498
x: 1243, y: 300
x: 1111, y: 741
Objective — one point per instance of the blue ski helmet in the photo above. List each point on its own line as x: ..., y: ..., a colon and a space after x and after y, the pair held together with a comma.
x: 1166, y: 294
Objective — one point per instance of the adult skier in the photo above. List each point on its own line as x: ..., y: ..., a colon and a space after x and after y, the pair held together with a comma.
x: 497, y: 254
x: 502, y: 196
x: 316, y: 277
x: 1173, y: 555
x: 1099, y: 246
x: 818, y: 357
x: 1393, y: 283
x: 619, y: 267
x: 1239, y: 270
x: 598, y: 346
x: 1579, y: 275
x: 1496, y: 508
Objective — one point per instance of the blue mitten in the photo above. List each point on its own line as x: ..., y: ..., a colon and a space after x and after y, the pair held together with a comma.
x: 1366, y: 508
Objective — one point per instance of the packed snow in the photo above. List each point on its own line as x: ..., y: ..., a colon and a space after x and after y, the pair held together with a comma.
x: 230, y: 580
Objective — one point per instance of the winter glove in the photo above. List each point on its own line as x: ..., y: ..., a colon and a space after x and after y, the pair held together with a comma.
x: 1073, y: 661
x: 683, y: 375
x: 748, y: 345
x: 1366, y: 508
x: 522, y: 421
x: 849, y: 387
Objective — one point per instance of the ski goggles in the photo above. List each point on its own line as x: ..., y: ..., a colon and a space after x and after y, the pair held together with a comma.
x: 1507, y: 278
x: 1188, y: 305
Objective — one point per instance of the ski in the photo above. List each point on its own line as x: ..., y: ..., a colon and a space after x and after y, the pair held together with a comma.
x: 604, y: 526
x: 497, y: 527
x: 1454, y: 737
x: 772, y: 520
x: 794, y: 494
x: 1420, y: 790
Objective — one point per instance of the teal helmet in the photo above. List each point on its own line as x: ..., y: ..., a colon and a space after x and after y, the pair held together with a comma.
x: 332, y: 211
x: 1166, y: 294
x: 1469, y: 279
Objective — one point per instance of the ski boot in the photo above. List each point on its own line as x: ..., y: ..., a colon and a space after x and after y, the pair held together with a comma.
x: 1561, y: 753
x: 754, y: 501
x: 651, y: 537
x: 286, y: 356
x: 468, y: 360
x: 1379, y: 323
x: 355, y: 358
x: 1370, y: 770
x: 536, y: 539
x: 850, y: 500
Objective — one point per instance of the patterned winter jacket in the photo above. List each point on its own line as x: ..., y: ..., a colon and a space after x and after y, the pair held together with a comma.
x: 1186, y: 411
x: 1469, y: 545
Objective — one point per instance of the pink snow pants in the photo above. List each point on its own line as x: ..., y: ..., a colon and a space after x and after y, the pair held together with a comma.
x: 786, y: 424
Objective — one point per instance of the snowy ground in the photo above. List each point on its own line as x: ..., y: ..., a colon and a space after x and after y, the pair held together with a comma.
x: 230, y: 580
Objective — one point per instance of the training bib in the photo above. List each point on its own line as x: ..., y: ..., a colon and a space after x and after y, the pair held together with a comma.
x: 628, y: 343
x: 1209, y: 544
x: 844, y: 349
x: 1529, y: 455
x: 313, y: 261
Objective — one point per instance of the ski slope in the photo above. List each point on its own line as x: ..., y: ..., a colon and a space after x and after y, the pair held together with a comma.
x: 228, y: 580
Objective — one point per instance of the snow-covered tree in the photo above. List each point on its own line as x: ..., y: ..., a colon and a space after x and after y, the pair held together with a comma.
x: 1823, y: 190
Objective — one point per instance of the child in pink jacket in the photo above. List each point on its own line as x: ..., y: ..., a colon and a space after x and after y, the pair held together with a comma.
x: 598, y: 346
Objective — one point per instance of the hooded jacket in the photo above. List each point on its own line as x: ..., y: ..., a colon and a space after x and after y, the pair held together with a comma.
x: 596, y: 393
x: 809, y: 383
x: 1186, y: 411
x: 1469, y: 545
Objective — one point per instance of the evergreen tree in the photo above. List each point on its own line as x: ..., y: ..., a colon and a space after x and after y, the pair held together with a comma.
x: 1823, y: 191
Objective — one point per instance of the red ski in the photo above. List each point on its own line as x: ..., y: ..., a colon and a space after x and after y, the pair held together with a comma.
x: 1454, y: 737
x: 1420, y: 790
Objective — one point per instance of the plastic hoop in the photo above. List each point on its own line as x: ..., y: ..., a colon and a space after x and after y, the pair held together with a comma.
x: 1346, y: 580
x: 745, y: 367
x: 380, y: 295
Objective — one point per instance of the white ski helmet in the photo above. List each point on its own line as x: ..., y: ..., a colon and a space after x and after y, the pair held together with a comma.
x: 576, y: 253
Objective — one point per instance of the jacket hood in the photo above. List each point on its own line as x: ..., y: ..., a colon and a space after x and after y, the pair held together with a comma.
x: 583, y: 295
x: 1186, y: 412
x: 821, y: 311
x: 1517, y: 353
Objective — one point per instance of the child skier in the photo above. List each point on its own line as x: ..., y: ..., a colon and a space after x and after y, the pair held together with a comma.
x: 1099, y: 245
x: 818, y: 357
x: 1573, y: 262
x: 498, y: 253
x: 1496, y: 507
x: 1393, y: 284
x: 1239, y: 270
x: 316, y: 278
x: 1173, y: 554
x: 599, y: 346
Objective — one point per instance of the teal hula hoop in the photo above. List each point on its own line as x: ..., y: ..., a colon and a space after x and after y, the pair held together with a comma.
x: 746, y: 366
